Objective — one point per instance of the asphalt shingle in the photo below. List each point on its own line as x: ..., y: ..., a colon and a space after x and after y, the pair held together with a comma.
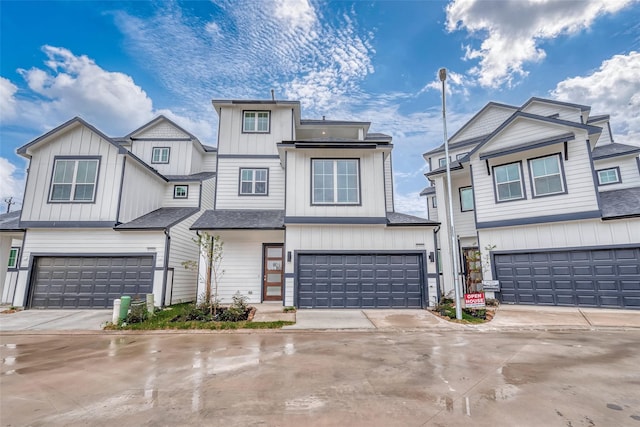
x: 158, y: 219
x: 240, y: 219
x: 620, y: 203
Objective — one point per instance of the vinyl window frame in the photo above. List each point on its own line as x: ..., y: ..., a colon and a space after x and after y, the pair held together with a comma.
x: 523, y: 195
x: 178, y: 187
x: 442, y: 161
x: 256, y: 128
x: 434, y: 203
x: 14, y: 258
x: 461, y: 155
x: 616, y: 169
x: 160, y: 159
x: 462, y: 207
x: 74, y: 184
x: 561, y: 175
x: 334, y: 202
x: 253, y: 182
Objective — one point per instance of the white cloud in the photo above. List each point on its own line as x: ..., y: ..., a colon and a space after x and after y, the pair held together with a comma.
x: 613, y: 89
x: 410, y: 203
x: 512, y: 30
x: 456, y: 84
x: 7, y: 100
x: 11, y: 185
x: 296, y: 13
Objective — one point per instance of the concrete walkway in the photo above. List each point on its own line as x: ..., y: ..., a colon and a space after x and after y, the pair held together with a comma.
x: 55, y: 320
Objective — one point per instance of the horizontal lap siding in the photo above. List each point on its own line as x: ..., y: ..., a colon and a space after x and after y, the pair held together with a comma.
x: 162, y: 130
x: 484, y: 124
x: 209, y: 162
x: 565, y: 113
x: 208, y: 193
x: 79, y: 141
x: 142, y: 192
x: 629, y: 173
x: 183, y: 248
x: 228, y: 177
x: 192, y: 199
x: 179, y: 156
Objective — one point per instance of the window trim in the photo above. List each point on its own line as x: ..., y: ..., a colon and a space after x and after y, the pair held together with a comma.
x: 440, y: 165
x: 358, y: 182
x: 244, y: 112
x: 254, y: 194
x: 73, y: 182
x: 434, y: 203
x: 495, y: 184
x: 563, y: 180
x: 616, y: 168
x: 469, y: 187
x: 461, y: 155
x: 153, y: 149
x: 186, y: 191
x: 16, y: 260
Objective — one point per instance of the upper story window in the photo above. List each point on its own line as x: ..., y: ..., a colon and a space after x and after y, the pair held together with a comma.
x: 546, y: 175
x: 609, y: 176
x: 74, y: 180
x: 253, y: 182
x: 442, y: 162
x: 180, y: 191
x: 335, y: 181
x: 255, y: 121
x: 508, y: 182
x: 466, y: 199
x: 434, y: 203
x: 461, y: 155
x: 160, y: 155
x: 13, y: 258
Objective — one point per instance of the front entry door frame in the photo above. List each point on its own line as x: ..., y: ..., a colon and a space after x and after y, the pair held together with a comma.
x: 272, y: 271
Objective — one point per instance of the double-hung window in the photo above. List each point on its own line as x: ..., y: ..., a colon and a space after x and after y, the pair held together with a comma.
x: 13, y: 258
x: 546, y: 175
x: 74, y: 180
x: 253, y: 182
x: 508, y: 181
x: 335, y: 181
x: 160, y: 155
x: 466, y: 199
x: 255, y: 121
x: 609, y: 176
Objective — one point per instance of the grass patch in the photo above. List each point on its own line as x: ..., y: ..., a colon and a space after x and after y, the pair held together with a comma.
x: 469, y: 315
x: 164, y: 319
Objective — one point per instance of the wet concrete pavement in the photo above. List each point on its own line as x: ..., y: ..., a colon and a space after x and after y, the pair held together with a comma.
x: 392, y: 378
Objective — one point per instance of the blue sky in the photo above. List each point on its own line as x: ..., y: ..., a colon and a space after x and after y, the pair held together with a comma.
x: 119, y: 64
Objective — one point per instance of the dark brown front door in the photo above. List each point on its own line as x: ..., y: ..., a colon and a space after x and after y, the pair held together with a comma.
x: 273, y: 275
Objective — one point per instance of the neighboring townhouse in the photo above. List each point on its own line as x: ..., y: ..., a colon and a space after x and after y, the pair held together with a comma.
x: 305, y: 211
x: 104, y: 217
x: 545, y: 201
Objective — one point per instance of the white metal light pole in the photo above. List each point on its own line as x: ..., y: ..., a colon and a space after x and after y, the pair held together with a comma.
x: 442, y: 73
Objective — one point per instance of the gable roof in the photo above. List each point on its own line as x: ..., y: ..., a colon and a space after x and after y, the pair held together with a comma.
x: 10, y: 221
x: 159, y: 219
x: 617, y: 204
x: 400, y: 219
x: 240, y: 219
x: 553, y: 101
x: 599, y: 118
x: 613, y: 150
x: 76, y: 121
x: 160, y: 118
x: 428, y: 191
x: 200, y: 176
x: 478, y: 114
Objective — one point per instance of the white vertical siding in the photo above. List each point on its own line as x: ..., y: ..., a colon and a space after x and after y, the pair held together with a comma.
x: 372, y: 195
x: 242, y: 263
x: 571, y: 114
x: 464, y: 221
x: 183, y: 248
x: 196, y: 159
x: 77, y: 141
x: 142, y: 192
x: 180, y: 156
x: 629, y: 174
x: 192, y: 199
x: 483, y: 124
x: 388, y: 182
x: 433, y: 212
x: 231, y: 140
x: 228, y: 177
x: 208, y: 193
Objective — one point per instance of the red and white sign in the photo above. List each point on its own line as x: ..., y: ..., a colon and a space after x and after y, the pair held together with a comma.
x: 474, y: 300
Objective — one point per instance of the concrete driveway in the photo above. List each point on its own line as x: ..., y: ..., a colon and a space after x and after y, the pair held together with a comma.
x: 423, y: 378
x: 55, y: 320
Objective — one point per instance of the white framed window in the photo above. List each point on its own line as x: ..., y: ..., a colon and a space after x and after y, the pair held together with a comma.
x: 160, y: 154
x: 508, y: 182
x: 461, y: 155
x: 13, y: 258
x: 434, y: 203
x: 609, y: 176
x: 546, y: 175
x: 180, y: 191
x: 466, y: 199
x: 255, y: 121
x: 442, y: 162
x: 74, y: 180
x: 335, y: 181
x: 254, y: 182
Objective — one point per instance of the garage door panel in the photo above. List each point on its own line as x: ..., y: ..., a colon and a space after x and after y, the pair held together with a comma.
x: 360, y: 281
x: 608, y: 277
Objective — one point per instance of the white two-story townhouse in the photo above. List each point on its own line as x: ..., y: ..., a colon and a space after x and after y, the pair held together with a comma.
x: 104, y: 217
x: 305, y: 211
x: 545, y: 202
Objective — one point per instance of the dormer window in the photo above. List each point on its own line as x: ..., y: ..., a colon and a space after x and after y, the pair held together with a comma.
x: 160, y: 155
x: 255, y: 122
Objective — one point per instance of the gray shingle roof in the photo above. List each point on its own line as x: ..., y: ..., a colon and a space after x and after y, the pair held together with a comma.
x: 613, y: 150
x: 9, y: 221
x: 240, y: 219
x: 620, y: 203
x: 428, y: 191
x: 158, y: 219
x: 201, y: 176
x: 396, y: 218
x: 454, y: 166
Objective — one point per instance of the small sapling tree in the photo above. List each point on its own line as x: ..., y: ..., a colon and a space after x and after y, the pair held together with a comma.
x: 211, y: 248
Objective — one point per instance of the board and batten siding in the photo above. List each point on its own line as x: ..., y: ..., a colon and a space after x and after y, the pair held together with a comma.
x: 77, y: 141
x: 142, y: 192
x: 90, y: 242
x: 571, y: 114
x: 464, y: 221
x: 193, y: 195
x: 232, y: 140
x: 629, y: 174
x: 605, y: 136
x: 299, y: 181
x: 484, y: 124
x: 208, y: 193
x: 581, y: 191
x: 183, y: 248
x: 180, y: 155
x: 242, y: 263
x: 228, y: 187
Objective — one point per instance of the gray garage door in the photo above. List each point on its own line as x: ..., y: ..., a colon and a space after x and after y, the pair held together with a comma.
x: 89, y: 282
x: 360, y: 281
x: 608, y: 277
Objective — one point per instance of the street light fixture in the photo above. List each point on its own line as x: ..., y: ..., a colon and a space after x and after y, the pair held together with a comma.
x: 442, y: 74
